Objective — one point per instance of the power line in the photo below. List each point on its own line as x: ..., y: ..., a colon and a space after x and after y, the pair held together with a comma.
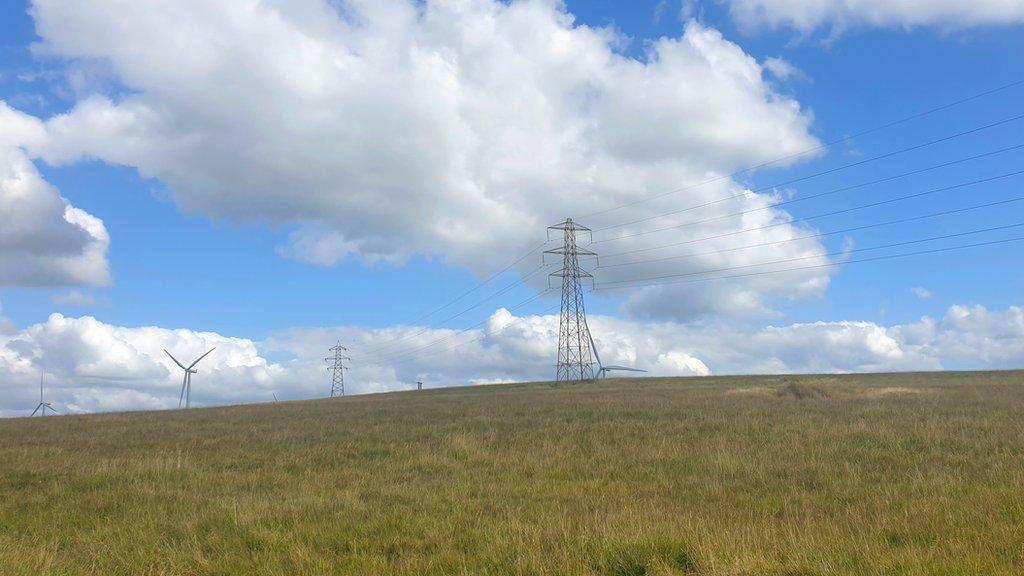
x: 821, y: 234
x: 816, y: 216
x: 415, y: 351
x: 827, y: 255
x: 383, y: 347
x: 485, y: 281
x: 599, y: 287
x: 481, y: 284
x: 746, y: 193
x: 494, y: 333
x: 812, y: 150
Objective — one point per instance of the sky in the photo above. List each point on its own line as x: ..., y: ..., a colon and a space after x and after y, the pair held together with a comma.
x: 273, y: 177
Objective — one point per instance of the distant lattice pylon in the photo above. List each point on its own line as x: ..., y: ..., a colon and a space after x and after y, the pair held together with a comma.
x: 336, y: 366
x: 575, y: 359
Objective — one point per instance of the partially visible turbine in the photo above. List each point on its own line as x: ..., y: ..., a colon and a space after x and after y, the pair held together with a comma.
x: 602, y: 370
x: 186, y: 382
x: 43, y: 406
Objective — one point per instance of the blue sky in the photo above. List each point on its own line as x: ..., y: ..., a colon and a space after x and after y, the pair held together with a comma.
x: 177, y: 259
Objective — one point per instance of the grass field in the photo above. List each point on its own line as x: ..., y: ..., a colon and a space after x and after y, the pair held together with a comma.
x: 874, y: 474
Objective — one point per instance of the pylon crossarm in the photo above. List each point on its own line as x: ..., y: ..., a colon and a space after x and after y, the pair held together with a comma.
x: 579, y: 252
x: 569, y: 273
x: 569, y: 225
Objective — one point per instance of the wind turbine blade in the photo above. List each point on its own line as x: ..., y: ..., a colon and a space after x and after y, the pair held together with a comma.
x: 175, y: 359
x: 36, y: 410
x: 594, y: 348
x: 181, y: 396
x: 624, y: 368
x: 200, y: 358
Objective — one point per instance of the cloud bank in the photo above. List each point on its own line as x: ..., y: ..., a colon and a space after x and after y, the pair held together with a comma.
x: 93, y: 366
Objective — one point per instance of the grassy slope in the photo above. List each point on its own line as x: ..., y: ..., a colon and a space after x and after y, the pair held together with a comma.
x: 880, y: 474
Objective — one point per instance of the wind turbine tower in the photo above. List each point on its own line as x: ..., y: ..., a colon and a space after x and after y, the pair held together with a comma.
x: 186, y: 382
x: 43, y: 405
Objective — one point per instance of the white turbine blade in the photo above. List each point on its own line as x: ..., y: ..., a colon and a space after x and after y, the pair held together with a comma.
x: 182, y: 395
x: 175, y: 359
x: 200, y: 358
x: 624, y: 368
x: 36, y: 410
x: 594, y: 348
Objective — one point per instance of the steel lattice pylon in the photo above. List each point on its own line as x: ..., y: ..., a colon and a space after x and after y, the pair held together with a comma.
x: 337, y: 369
x: 575, y: 358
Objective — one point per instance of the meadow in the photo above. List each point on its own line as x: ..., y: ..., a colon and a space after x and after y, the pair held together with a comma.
x: 914, y: 474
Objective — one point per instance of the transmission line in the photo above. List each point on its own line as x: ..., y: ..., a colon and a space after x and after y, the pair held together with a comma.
x: 746, y: 193
x: 832, y: 213
x: 811, y: 150
x: 813, y: 256
x: 383, y: 347
x: 481, y: 284
x: 498, y: 331
x: 820, y: 234
x: 600, y: 287
x: 413, y: 352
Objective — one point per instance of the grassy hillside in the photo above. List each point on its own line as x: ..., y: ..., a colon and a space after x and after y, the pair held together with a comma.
x: 880, y: 474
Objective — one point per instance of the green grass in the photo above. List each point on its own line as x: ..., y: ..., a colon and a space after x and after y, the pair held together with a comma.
x: 881, y: 474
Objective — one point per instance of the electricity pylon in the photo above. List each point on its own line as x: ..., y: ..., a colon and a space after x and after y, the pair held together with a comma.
x: 337, y: 369
x: 575, y: 362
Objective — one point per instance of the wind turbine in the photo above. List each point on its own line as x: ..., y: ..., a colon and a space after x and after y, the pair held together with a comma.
x: 602, y: 370
x: 186, y: 382
x: 43, y: 406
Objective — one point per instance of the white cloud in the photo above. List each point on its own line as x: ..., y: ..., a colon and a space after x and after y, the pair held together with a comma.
x: 783, y: 69
x: 94, y: 366
x: 77, y: 298
x: 458, y: 129
x: 922, y: 292
x: 44, y: 240
x: 808, y: 15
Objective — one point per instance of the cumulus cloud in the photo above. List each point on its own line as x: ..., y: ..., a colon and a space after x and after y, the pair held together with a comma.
x: 44, y: 240
x: 90, y: 366
x: 456, y: 129
x: 93, y: 366
x: 808, y: 15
